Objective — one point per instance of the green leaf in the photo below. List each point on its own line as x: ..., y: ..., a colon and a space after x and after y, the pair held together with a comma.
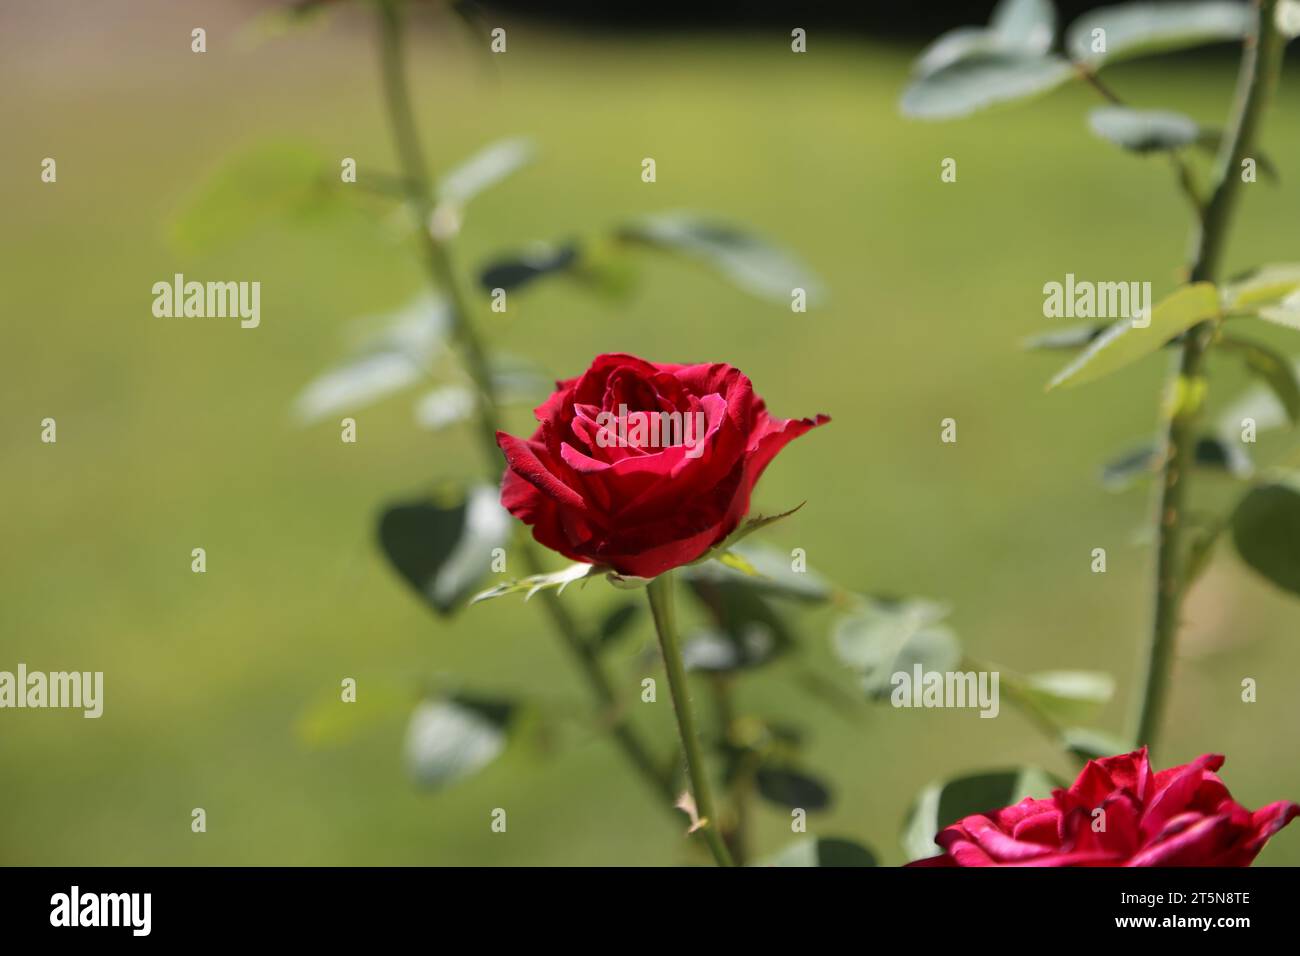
x: 943, y: 803
x: 1274, y: 370
x: 976, y: 82
x: 822, y: 851
x: 771, y: 573
x: 521, y: 269
x: 383, y: 363
x: 883, y: 639
x: 792, y: 789
x: 484, y: 169
x: 1015, y: 27
x: 747, y: 631
x: 1143, y: 131
x: 1124, y: 343
x: 1074, y: 337
x: 442, y: 545
x: 1093, y: 744
x: 555, y: 580
x: 1269, y: 285
x: 451, y: 738
x: 444, y: 406
x: 617, y: 622
x: 747, y: 527
x: 1266, y: 532
x: 1212, y: 451
x: 1064, y: 697
x: 1259, y: 403
x: 1139, y: 29
x: 750, y: 263
x: 275, y: 182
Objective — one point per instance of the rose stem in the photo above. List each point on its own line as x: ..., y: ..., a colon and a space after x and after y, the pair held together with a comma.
x: 419, y: 196
x: 660, y: 593
x: 1261, y: 57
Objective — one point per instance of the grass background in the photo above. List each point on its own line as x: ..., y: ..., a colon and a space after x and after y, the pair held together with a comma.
x: 174, y: 434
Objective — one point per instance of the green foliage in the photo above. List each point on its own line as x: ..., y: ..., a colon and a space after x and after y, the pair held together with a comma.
x: 1124, y: 343
x: 883, y: 638
x: 1274, y: 370
x: 943, y: 803
x: 1063, y: 697
x: 452, y: 737
x: 822, y: 851
x: 1266, y: 532
x: 1143, y: 131
x: 1140, y: 29
x: 442, y: 545
x: 790, y: 788
x: 980, y: 81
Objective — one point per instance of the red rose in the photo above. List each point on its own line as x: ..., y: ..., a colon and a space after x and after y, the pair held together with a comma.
x: 1183, y: 816
x: 642, y: 466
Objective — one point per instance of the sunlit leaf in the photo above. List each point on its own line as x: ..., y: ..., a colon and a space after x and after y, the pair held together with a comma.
x: 485, y: 168
x: 976, y: 82
x: 1064, y: 697
x: 1143, y: 131
x: 1074, y: 337
x: 1015, y: 27
x: 442, y: 546
x: 750, y: 263
x: 883, y: 639
x: 1274, y: 370
x: 774, y: 575
x: 1138, y: 29
x: 555, y: 580
x: 453, y: 737
x: 1124, y: 343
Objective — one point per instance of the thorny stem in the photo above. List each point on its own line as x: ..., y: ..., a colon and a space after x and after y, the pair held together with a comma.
x: 1261, y: 57
x: 660, y: 594
x: 438, y: 260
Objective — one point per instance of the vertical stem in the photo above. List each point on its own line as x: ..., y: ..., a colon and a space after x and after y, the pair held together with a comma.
x: 419, y: 197
x: 660, y: 593
x: 1259, y: 67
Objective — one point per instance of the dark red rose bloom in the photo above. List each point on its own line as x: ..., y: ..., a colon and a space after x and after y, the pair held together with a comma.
x: 1183, y: 816
x: 642, y: 466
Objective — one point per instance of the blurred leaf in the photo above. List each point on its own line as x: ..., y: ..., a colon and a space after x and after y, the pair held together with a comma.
x: 1212, y: 451
x: 445, y: 405
x: 1016, y: 26
x: 883, y: 639
x: 443, y: 546
x: 384, y: 363
x: 792, y: 789
x: 1093, y: 744
x: 748, y: 632
x: 1266, y: 531
x: 451, y: 738
x: 1064, y: 697
x: 1143, y: 131
x: 617, y: 622
x: 775, y: 575
x: 1272, y: 369
x: 747, y: 527
x: 976, y: 82
x: 1124, y: 343
x: 275, y: 182
x: 943, y: 803
x: 484, y: 169
x: 1075, y: 337
x: 329, y: 721
x: 559, y: 580
x: 748, y: 262
x: 515, y: 272
x: 1268, y: 285
x: 822, y: 851
x: 1260, y: 403
x: 1139, y: 29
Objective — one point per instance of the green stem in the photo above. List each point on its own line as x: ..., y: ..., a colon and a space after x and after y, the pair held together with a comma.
x: 417, y: 185
x: 660, y: 594
x: 1259, y: 67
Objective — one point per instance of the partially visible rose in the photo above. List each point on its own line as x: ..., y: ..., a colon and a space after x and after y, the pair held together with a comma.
x: 1183, y: 816
x: 597, y: 486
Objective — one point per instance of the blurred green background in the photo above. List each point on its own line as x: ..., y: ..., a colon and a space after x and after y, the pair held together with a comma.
x: 175, y: 434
